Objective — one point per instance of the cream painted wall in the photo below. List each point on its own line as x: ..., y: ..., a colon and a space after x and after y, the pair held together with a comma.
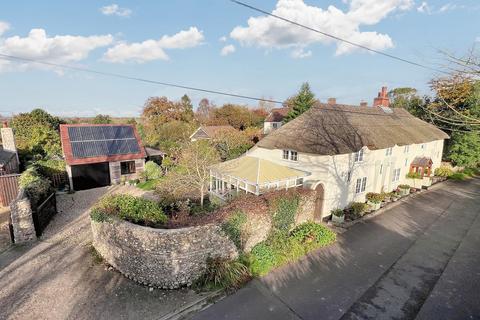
x: 268, y: 126
x: 332, y: 171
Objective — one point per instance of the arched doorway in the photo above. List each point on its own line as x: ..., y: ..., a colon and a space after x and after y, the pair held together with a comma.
x: 319, y: 200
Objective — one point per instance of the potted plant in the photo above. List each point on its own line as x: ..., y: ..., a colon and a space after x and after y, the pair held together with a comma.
x: 338, y: 215
x: 387, y: 196
x: 404, y: 189
x: 358, y: 209
x: 374, y: 200
x: 395, y: 195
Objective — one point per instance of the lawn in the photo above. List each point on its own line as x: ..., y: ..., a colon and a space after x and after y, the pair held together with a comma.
x: 148, y: 185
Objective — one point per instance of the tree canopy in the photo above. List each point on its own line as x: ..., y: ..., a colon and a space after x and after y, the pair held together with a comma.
x: 300, y: 103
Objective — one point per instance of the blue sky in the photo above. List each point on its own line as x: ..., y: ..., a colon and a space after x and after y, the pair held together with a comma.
x: 182, y: 42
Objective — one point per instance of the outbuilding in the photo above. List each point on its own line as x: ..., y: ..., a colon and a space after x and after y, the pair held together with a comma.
x: 100, y: 155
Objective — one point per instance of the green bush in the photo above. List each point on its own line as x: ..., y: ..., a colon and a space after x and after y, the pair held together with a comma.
x: 130, y: 208
x: 225, y: 273
x: 49, y: 167
x: 37, y: 188
x: 471, y: 171
x: 358, y: 208
x: 403, y: 186
x: 152, y: 171
x: 285, y: 211
x: 375, y: 197
x: 233, y: 227
x: 414, y: 175
x: 281, y: 247
x: 443, y: 171
x: 458, y: 176
x: 313, y: 235
x: 337, y: 212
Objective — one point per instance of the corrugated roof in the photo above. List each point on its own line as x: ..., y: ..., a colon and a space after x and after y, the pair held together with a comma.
x: 339, y: 129
x: 277, y: 115
x: 86, y: 143
x: 256, y: 170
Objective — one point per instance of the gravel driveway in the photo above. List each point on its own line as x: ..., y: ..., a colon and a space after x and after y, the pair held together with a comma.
x: 57, y: 278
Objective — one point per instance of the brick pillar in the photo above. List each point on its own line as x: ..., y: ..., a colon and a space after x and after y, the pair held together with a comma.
x: 22, y: 219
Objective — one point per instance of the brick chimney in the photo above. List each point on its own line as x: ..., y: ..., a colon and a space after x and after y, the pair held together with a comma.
x: 8, y: 139
x: 332, y: 101
x: 382, y: 99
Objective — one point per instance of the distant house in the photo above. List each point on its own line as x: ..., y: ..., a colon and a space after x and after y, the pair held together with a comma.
x: 9, y: 163
x: 209, y: 132
x: 100, y: 155
x: 274, y: 120
x: 341, y: 151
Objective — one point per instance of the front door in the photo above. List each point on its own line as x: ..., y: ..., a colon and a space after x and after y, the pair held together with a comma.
x: 319, y: 200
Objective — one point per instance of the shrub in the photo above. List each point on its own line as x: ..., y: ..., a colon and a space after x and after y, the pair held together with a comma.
x: 414, y: 175
x: 375, y: 197
x: 443, y: 171
x: 470, y: 171
x: 152, y: 171
x: 403, y: 186
x: 358, y: 208
x: 313, y: 235
x: 264, y: 258
x: 37, y: 188
x: 130, y: 208
x: 458, y: 176
x: 233, y: 227
x: 337, y: 212
x: 225, y: 273
x: 49, y: 167
x: 285, y: 209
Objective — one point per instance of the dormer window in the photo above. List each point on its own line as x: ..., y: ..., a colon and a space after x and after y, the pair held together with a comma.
x: 359, y: 156
x: 290, y: 155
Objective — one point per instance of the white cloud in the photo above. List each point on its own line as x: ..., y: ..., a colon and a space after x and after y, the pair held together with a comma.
x: 62, y: 49
x: 222, y: 39
x: 154, y: 49
x: 116, y: 10
x: 300, y: 53
x: 424, y: 8
x: 270, y: 33
x: 227, y: 50
x: 4, y: 26
x: 447, y: 7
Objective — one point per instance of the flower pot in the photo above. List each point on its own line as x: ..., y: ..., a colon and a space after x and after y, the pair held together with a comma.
x: 374, y: 205
x: 404, y: 192
x: 338, y: 219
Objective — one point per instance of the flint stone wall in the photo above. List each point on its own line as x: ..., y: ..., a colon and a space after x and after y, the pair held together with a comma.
x: 164, y: 258
x: 22, y: 219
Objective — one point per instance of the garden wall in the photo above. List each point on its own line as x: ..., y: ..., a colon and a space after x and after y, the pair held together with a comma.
x: 165, y: 258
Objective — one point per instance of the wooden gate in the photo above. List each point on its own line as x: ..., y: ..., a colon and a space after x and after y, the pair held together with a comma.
x: 8, y: 189
x: 44, y: 213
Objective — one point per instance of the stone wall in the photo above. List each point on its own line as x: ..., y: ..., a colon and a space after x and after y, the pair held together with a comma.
x: 116, y: 175
x: 22, y: 219
x: 165, y: 258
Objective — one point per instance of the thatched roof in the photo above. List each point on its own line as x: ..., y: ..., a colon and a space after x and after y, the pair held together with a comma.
x: 338, y: 129
x: 277, y: 115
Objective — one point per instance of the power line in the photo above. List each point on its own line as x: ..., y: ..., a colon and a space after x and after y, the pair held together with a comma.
x: 116, y: 75
x: 337, y: 38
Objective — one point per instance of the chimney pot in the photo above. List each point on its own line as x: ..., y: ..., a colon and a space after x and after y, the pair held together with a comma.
x: 332, y: 101
x: 5, y: 124
x: 382, y: 99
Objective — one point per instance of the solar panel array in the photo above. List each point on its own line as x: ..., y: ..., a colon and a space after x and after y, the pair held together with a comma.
x: 96, y: 141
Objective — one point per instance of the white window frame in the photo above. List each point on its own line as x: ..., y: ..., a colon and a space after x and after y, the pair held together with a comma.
x: 360, y: 185
x: 381, y: 168
x: 348, y: 175
x: 406, y: 149
x: 406, y: 162
x: 359, y: 155
x: 274, y: 125
x: 396, y: 175
x: 290, y: 155
x: 389, y: 151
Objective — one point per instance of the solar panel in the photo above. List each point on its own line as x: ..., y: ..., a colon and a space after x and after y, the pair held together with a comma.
x: 95, y: 141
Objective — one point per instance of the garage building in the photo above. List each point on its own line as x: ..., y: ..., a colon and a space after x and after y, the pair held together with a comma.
x: 100, y: 155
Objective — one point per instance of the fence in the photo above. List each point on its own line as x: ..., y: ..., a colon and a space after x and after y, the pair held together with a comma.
x: 8, y: 188
x: 44, y: 213
x: 59, y: 179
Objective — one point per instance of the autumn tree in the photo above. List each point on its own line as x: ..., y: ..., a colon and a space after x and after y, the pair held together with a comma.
x: 231, y: 143
x: 205, y: 112
x: 192, y: 173
x: 300, y: 103
x: 102, y: 119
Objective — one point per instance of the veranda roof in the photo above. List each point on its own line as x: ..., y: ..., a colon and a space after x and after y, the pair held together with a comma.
x: 422, y: 162
x: 256, y: 170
